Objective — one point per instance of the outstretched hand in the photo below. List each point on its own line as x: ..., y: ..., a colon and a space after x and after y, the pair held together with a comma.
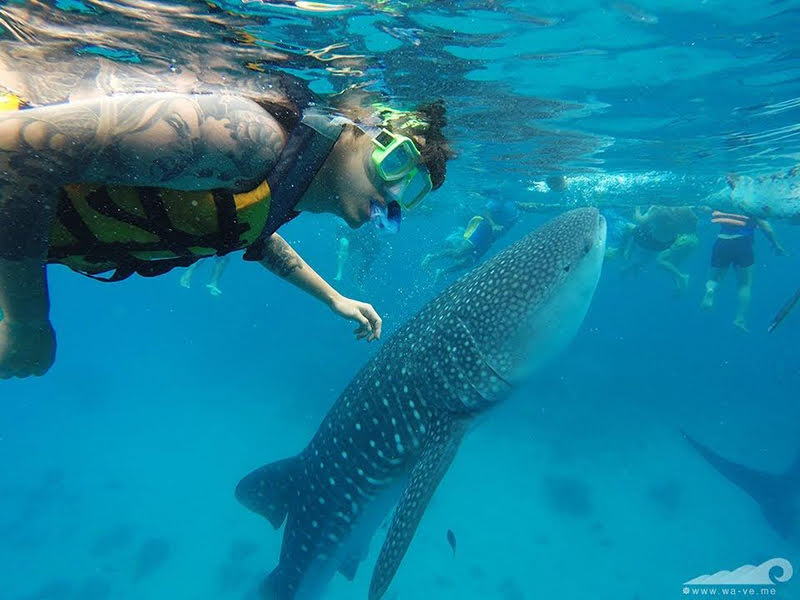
x: 26, y: 348
x: 370, y: 323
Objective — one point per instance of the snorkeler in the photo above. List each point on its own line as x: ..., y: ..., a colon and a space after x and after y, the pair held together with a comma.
x: 357, y: 252
x: 143, y: 183
x: 464, y: 248
x: 734, y: 246
x: 667, y: 231
x: 220, y: 262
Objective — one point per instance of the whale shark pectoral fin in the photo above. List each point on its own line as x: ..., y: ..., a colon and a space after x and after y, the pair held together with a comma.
x: 267, y: 490
x: 275, y: 586
x: 438, y: 453
x: 773, y: 493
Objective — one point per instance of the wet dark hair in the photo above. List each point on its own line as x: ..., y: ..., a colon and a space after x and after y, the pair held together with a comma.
x: 434, y: 147
x: 424, y: 125
x: 557, y: 183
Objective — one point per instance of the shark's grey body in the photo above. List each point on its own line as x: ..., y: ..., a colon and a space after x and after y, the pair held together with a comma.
x: 393, y: 433
x: 774, y: 195
x: 777, y: 494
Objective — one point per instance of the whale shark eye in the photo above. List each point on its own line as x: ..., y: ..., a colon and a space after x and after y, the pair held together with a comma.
x: 586, y: 247
x: 566, y: 269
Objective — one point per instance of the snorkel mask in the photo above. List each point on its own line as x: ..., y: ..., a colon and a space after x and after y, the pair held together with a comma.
x: 395, y: 161
x: 395, y: 166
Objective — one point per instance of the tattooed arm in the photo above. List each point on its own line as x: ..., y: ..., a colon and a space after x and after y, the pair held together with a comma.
x: 36, y: 157
x: 170, y: 140
x: 280, y: 258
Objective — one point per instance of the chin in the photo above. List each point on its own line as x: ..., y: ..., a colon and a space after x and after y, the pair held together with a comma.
x: 353, y: 221
x: 358, y: 217
x: 356, y: 223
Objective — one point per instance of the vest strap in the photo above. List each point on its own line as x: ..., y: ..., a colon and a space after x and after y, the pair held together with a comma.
x: 300, y: 160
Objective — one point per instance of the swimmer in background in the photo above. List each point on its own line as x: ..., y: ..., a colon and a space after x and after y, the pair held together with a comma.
x: 667, y: 231
x: 734, y: 247
x: 552, y: 183
x: 357, y: 252
x: 220, y: 262
x: 464, y: 248
x: 342, y: 254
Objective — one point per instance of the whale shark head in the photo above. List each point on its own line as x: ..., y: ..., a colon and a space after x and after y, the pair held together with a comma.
x: 523, y: 306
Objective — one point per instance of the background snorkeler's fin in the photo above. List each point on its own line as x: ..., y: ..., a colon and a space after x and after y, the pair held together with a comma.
x: 777, y: 495
x: 440, y: 448
x: 787, y: 308
x: 268, y: 490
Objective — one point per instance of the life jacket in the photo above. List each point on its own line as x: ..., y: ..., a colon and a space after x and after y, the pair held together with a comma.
x: 149, y: 231
x: 734, y: 224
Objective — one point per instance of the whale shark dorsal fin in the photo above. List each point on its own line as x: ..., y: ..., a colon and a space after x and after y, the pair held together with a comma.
x: 775, y: 494
x: 267, y: 490
x: 443, y: 440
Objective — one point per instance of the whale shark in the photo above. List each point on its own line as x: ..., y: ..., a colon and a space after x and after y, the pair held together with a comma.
x: 770, y: 195
x: 391, y: 435
x: 777, y: 494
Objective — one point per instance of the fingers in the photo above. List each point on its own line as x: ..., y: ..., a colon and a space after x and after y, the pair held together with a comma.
x: 39, y: 369
x: 375, y: 321
x: 21, y: 371
x: 370, y: 323
x: 362, y: 332
x: 364, y: 329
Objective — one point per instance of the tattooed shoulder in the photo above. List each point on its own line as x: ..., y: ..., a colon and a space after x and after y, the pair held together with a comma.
x: 171, y: 140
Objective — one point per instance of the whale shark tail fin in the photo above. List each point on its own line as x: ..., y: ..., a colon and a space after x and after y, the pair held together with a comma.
x: 268, y: 490
x: 775, y: 494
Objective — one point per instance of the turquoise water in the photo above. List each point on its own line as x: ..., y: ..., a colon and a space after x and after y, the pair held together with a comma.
x: 118, y: 467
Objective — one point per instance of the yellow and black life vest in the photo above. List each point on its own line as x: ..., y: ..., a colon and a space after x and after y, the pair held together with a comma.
x: 149, y: 231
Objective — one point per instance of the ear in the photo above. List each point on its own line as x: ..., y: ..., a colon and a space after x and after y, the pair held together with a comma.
x: 419, y: 141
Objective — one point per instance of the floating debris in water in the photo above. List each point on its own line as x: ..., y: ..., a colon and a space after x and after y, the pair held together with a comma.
x: 784, y: 311
x: 451, y: 539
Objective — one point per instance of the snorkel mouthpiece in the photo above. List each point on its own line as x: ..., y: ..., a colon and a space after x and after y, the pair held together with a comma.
x: 388, y: 218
